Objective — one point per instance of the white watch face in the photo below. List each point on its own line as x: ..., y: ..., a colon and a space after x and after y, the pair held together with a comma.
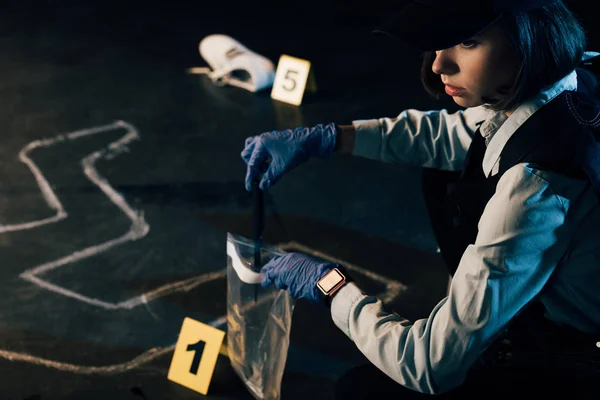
x: 331, y: 280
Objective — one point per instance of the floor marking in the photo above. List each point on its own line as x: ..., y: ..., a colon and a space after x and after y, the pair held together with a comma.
x: 138, y: 230
x: 143, y: 358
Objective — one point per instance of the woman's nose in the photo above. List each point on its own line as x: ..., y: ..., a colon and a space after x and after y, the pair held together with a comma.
x: 444, y: 63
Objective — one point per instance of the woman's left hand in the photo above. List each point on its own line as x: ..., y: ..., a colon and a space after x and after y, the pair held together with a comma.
x: 297, y: 273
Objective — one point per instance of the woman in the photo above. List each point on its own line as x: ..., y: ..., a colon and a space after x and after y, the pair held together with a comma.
x: 517, y: 218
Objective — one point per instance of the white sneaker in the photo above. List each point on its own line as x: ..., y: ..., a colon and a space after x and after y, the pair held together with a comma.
x: 234, y: 64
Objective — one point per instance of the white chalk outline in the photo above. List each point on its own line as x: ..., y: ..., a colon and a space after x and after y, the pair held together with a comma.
x: 139, y: 229
x: 141, y: 359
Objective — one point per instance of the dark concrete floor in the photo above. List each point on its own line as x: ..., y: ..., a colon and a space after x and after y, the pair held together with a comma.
x: 74, y: 66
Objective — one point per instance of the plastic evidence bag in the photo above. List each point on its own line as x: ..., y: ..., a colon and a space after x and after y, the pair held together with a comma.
x: 258, y: 320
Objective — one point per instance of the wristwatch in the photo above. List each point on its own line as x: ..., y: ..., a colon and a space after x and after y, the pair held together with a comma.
x: 331, y: 282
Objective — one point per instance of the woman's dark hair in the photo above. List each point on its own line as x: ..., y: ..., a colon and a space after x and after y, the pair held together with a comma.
x: 550, y: 42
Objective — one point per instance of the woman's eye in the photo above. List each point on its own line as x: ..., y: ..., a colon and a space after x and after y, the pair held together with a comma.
x: 468, y: 44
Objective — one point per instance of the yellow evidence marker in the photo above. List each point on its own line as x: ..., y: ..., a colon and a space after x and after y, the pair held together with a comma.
x: 195, y: 355
x: 293, y: 78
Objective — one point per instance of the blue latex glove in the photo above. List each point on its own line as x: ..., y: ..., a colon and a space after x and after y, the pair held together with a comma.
x: 297, y: 273
x: 285, y: 150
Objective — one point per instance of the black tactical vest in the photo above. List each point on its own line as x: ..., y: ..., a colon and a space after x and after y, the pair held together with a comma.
x: 563, y: 136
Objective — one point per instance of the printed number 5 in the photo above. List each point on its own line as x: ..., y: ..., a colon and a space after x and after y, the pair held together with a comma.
x: 198, y: 348
x: 291, y: 79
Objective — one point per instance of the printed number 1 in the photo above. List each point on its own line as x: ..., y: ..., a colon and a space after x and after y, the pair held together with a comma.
x: 198, y: 348
x: 289, y: 78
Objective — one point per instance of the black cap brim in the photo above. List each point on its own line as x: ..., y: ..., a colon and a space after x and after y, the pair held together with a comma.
x: 431, y: 25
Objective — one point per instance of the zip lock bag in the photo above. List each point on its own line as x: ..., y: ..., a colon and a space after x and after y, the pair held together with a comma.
x: 258, y: 320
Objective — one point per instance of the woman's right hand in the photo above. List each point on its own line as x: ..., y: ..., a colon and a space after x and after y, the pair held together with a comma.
x: 277, y: 152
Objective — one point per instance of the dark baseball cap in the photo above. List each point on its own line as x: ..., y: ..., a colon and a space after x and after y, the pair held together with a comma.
x: 429, y: 25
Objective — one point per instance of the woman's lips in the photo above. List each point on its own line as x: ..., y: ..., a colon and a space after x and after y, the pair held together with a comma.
x: 453, y: 90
